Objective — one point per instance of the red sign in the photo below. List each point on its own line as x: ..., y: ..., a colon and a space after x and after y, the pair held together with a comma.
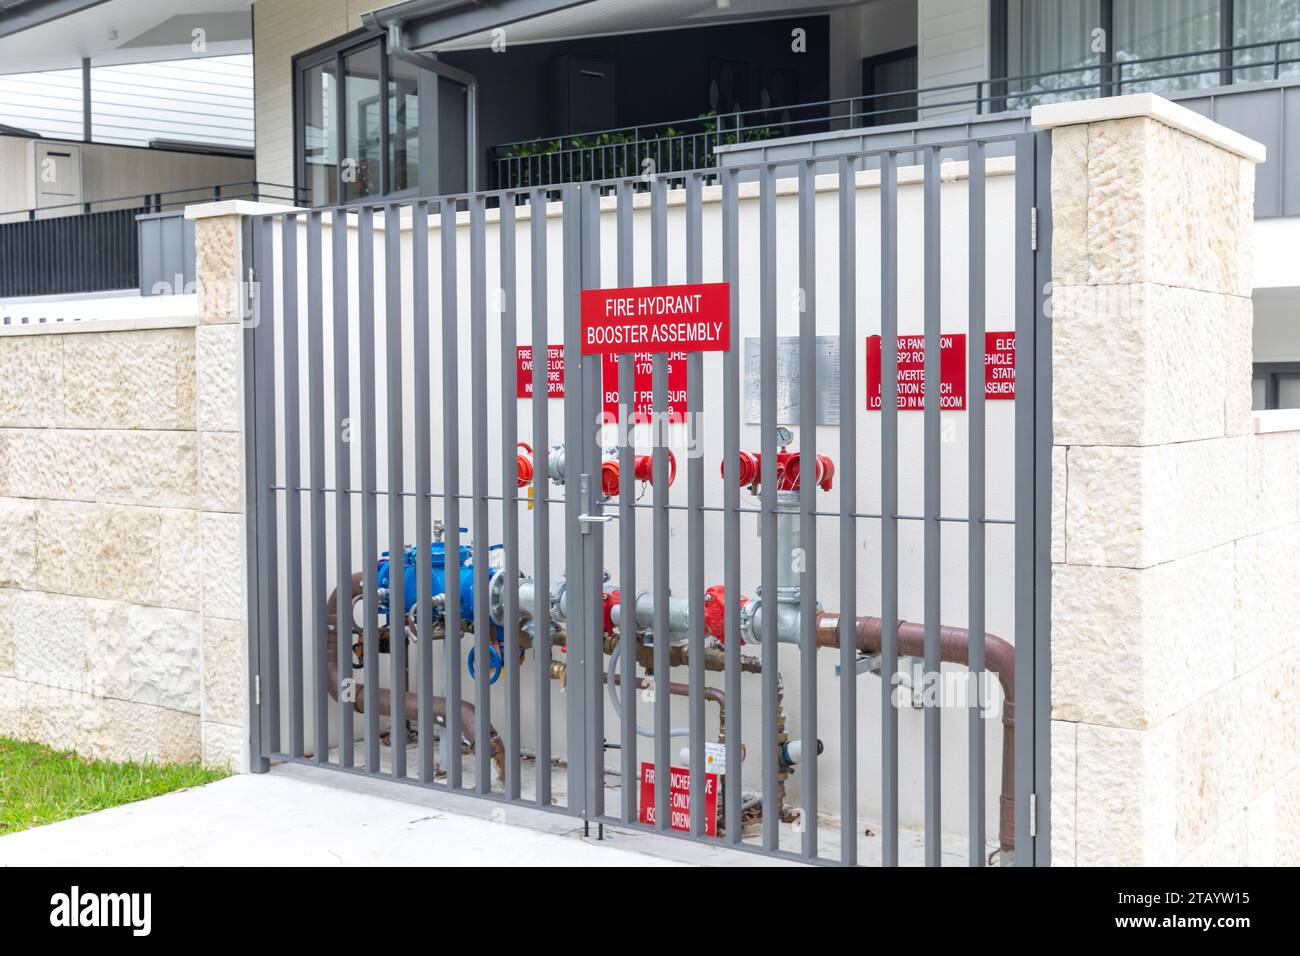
x: 679, y: 798
x: 999, y: 365
x: 643, y: 386
x: 911, y: 372
x: 554, y: 371
x: 664, y: 318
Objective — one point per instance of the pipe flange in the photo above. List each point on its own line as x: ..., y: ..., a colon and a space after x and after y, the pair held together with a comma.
x: 497, y: 598
x: 748, y: 634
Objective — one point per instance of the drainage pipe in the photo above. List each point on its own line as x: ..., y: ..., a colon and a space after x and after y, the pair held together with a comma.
x: 954, y: 648
x: 411, y: 700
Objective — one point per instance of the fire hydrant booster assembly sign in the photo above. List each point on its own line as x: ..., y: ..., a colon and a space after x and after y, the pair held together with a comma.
x: 665, y: 318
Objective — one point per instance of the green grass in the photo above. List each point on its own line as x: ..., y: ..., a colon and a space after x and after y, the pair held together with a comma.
x: 39, y: 785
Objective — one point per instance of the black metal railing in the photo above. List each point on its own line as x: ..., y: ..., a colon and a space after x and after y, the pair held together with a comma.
x: 93, y: 246
x: 686, y: 144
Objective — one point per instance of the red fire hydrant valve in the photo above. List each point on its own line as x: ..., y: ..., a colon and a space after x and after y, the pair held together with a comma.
x: 715, y: 610
x: 524, y: 465
x: 611, y: 598
x: 789, y: 470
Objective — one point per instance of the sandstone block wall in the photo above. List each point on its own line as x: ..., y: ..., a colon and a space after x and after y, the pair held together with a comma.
x: 122, y: 628
x: 1176, y: 550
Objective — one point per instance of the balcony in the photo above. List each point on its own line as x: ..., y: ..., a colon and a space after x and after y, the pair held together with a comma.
x: 136, y: 243
x: 1254, y: 88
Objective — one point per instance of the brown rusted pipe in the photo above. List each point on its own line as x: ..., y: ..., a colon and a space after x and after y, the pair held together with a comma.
x: 412, y: 701
x: 954, y: 648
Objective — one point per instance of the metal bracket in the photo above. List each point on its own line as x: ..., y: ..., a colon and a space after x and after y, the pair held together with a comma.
x: 588, y: 520
x: 866, y: 664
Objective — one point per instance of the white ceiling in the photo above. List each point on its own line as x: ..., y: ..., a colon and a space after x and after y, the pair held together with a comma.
x: 129, y: 31
x: 606, y: 17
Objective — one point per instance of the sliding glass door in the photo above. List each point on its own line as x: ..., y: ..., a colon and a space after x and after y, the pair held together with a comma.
x: 1257, y: 27
x: 1158, y: 45
x: 1076, y: 49
x: 1052, y: 48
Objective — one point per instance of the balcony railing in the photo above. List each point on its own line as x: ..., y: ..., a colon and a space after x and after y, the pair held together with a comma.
x: 687, y: 144
x: 96, y: 246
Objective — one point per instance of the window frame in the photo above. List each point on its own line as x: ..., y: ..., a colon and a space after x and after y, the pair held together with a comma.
x: 1272, y: 374
x: 336, y: 52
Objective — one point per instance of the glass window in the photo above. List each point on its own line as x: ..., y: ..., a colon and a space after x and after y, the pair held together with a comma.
x: 362, y: 156
x: 320, y: 140
x: 1288, y: 391
x: 1171, y: 31
x: 1266, y: 22
x: 403, y: 124
x: 1054, y: 37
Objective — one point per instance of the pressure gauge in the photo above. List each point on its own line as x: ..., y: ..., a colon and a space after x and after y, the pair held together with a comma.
x: 783, y: 436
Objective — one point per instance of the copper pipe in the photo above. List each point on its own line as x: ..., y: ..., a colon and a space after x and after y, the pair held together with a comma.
x: 954, y: 648
x: 412, y: 703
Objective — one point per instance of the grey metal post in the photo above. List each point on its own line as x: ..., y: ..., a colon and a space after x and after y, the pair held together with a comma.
x: 450, y: 748
x: 889, y: 505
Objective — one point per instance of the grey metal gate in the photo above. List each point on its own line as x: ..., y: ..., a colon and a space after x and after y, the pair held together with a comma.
x: 361, y: 506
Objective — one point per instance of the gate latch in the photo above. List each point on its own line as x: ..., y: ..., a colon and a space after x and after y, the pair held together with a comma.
x: 588, y: 520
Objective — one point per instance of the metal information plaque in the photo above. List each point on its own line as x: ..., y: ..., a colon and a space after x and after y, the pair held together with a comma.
x: 787, y: 380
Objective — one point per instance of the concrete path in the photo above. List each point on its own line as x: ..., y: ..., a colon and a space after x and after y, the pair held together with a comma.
x: 307, y: 817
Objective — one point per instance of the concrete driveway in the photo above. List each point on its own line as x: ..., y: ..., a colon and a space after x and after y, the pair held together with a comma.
x: 302, y: 816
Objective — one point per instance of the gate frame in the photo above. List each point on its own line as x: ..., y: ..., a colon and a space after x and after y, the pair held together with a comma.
x: 584, y: 551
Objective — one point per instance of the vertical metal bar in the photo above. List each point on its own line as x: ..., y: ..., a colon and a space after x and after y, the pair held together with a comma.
x: 423, y: 489
x: 369, y: 503
x: 450, y: 748
x: 848, y: 468
x: 659, y: 401
x: 87, y: 123
x: 808, y: 504
x: 541, y: 489
x: 975, y: 506
x: 1024, y: 490
x: 293, y: 482
x: 592, y: 642
x: 316, y: 482
x: 888, y: 505
x: 1043, y: 437
x: 731, y: 503
x: 343, y: 620
x: 767, y: 517
x: 576, y: 492
x: 481, y: 533
x: 397, y: 680
x: 695, y: 514
x: 631, y: 774
x: 268, y: 680
x: 509, y: 491
x: 250, y: 262
x: 931, y: 428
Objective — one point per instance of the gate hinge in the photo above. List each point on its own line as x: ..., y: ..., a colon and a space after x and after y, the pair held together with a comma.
x: 257, y: 689
x: 1033, y: 229
x: 1033, y: 814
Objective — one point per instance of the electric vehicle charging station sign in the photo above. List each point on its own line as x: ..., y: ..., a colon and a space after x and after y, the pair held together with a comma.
x: 679, y: 799
x: 664, y: 318
x: 999, y: 370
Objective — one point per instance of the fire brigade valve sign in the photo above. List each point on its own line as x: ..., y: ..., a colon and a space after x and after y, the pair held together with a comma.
x: 554, y: 371
x: 642, y: 381
x: 665, y: 318
x: 679, y: 799
x: 999, y: 370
